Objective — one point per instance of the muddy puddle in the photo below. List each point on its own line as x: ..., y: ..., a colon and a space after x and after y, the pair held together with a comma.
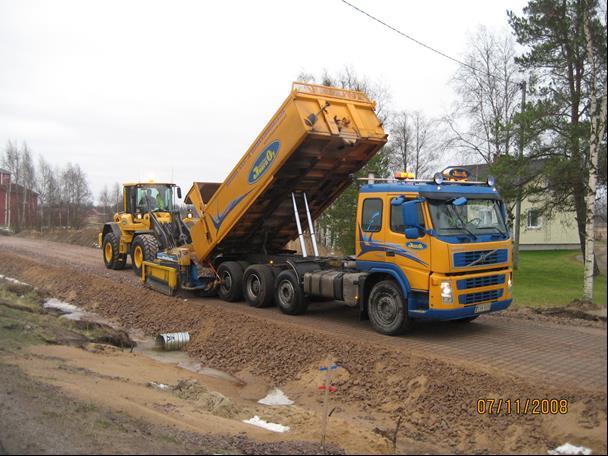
x: 147, y: 346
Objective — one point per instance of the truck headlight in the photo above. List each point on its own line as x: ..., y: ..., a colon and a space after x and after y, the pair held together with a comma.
x: 510, y: 282
x: 446, y: 292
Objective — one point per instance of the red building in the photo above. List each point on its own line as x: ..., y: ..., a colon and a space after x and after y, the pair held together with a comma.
x: 11, y: 202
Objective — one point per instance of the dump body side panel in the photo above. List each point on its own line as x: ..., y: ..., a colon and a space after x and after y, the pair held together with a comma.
x: 314, y: 142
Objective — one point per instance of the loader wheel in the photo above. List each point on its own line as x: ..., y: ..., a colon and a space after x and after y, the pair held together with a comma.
x: 387, y: 309
x: 143, y: 248
x: 258, y: 285
x: 289, y: 295
x: 111, y: 254
x: 231, y: 281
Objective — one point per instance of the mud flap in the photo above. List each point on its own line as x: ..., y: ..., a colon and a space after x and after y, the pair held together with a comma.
x: 160, y: 278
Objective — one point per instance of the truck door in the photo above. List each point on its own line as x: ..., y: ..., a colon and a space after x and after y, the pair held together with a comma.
x: 412, y: 256
x: 371, y: 220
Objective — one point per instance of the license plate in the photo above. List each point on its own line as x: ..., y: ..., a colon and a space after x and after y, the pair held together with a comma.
x: 483, y: 307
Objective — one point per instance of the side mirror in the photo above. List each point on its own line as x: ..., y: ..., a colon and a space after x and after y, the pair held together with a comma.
x: 410, y: 213
x: 412, y: 233
x: 179, y: 192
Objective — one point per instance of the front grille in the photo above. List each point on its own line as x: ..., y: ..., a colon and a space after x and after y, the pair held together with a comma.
x: 480, y: 258
x: 478, y: 282
x: 483, y: 296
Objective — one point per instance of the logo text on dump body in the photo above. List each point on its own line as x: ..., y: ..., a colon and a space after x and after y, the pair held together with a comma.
x: 263, y: 162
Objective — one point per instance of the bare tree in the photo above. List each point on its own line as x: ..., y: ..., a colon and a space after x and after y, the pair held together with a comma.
x: 20, y: 165
x: 47, y: 186
x: 76, y: 194
x: 414, y: 143
x: 116, y: 195
x: 348, y: 78
x: 482, y: 124
x: 105, y: 201
x: 28, y: 182
x: 11, y: 160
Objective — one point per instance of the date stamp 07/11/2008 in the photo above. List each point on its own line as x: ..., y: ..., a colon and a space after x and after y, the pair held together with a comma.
x: 522, y: 406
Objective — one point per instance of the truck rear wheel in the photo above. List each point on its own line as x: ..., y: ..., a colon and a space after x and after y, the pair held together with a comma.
x: 111, y: 252
x: 258, y: 285
x: 387, y: 309
x: 289, y: 295
x: 231, y: 281
x: 143, y: 248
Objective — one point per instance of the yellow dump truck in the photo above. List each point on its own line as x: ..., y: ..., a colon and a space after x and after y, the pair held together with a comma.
x: 435, y: 249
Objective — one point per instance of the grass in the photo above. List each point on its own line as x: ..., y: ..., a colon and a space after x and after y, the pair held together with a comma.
x: 552, y: 278
x: 24, y: 323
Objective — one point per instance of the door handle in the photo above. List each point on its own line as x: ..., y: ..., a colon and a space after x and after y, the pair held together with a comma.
x: 391, y: 254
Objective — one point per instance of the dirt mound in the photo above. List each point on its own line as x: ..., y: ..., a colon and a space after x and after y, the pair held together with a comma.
x: 438, y: 400
x: 209, y: 401
x: 86, y: 237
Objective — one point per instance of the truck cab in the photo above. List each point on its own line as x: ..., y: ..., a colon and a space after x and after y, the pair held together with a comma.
x: 445, y: 243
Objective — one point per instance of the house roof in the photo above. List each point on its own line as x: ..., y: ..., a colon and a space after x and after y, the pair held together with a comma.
x: 16, y: 188
x: 4, y: 171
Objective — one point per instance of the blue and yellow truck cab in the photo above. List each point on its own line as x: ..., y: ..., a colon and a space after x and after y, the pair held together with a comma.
x: 445, y: 243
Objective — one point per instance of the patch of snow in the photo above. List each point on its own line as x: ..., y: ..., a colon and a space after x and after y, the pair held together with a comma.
x: 10, y: 279
x: 53, y: 303
x: 70, y: 311
x: 257, y: 421
x: 568, y: 448
x: 160, y: 386
x: 276, y: 397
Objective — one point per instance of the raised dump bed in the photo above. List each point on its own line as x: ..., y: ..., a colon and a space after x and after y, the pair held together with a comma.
x: 315, y: 141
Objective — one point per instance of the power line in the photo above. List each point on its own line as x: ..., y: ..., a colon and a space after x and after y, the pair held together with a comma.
x: 420, y: 43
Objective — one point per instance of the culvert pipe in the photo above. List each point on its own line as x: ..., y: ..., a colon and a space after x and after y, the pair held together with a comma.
x: 172, y: 341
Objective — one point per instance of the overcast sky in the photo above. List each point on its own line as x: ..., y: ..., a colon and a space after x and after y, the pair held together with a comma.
x: 146, y: 90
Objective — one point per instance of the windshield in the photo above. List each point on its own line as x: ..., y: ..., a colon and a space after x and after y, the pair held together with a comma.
x: 157, y: 197
x: 475, y: 217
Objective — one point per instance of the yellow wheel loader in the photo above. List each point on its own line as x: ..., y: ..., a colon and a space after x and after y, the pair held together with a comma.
x: 147, y: 224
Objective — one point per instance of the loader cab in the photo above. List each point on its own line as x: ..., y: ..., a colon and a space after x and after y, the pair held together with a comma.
x: 155, y: 197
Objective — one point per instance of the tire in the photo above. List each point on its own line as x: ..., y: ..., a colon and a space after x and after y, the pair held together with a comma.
x: 387, y: 309
x: 231, y: 285
x: 111, y: 252
x: 143, y: 248
x: 466, y: 320
x: 244, y: 264
x: 258, y: 285
x: 289, y: 295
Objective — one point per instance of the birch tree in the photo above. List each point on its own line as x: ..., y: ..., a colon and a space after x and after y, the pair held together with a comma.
x: 597, y: 130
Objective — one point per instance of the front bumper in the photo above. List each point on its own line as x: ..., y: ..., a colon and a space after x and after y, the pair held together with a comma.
x: 456, y: 314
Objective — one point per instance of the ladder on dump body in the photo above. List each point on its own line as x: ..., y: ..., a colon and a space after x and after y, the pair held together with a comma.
x: 311, y: 227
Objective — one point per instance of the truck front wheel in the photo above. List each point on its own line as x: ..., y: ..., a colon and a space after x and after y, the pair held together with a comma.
x: 258, y: 285
x: 111, y: 253
x: 289, y: 295
x: 231, y: 281
x: 387, y: 310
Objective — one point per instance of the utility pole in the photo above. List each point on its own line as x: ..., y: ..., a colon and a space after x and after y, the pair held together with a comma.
x: 517, y: 221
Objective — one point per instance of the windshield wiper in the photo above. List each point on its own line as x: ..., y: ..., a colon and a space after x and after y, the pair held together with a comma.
x: 462, y: 224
